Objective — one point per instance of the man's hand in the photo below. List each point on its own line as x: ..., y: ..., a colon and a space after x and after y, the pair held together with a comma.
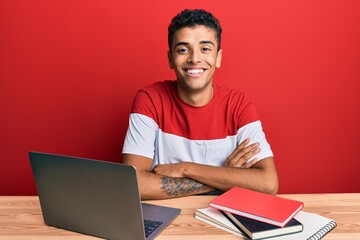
x: 241, y: 154
x: 171, y: 170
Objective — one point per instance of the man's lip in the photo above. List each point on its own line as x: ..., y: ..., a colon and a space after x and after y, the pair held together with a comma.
x: 186, y: 68
x: 194, y: 72
x: 194, y: 69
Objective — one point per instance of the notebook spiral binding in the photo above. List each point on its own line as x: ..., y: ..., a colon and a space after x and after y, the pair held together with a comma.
x: 322, y: 232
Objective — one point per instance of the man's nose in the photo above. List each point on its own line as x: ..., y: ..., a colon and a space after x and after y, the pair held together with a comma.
x: 194, y: 57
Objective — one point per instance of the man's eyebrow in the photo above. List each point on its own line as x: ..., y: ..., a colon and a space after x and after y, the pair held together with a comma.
x: 207, y: 42
x: 201, y: 42
x: 181, y: 44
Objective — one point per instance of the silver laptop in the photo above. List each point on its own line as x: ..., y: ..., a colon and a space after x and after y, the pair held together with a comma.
x: 97, y: 198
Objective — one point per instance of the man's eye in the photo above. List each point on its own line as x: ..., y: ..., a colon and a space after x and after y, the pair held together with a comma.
x: 182, y: 50
x: 206, y: 49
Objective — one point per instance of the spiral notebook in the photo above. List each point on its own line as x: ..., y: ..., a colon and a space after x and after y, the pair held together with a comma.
x: 315, y: 227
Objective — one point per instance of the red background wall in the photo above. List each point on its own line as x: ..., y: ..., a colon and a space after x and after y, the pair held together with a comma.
x: 69, y: 71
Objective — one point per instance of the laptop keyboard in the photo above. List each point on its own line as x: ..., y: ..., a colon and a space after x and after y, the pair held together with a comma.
x: 151, y: 226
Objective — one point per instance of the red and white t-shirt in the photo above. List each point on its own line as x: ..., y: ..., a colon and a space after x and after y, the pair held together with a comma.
x: 166, y: 129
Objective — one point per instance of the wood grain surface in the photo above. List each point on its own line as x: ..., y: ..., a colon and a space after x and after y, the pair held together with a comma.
x: 21, y: 218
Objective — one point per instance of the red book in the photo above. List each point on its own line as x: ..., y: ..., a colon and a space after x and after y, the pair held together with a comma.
x: 259, y: 206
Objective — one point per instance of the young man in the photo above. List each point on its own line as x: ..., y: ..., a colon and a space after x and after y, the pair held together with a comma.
x: 190, y: 136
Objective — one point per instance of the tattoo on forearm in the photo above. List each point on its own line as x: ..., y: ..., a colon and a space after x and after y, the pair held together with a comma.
x: 177, y: 187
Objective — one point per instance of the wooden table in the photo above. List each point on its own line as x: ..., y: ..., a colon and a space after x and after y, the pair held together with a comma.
x: 20, y: 218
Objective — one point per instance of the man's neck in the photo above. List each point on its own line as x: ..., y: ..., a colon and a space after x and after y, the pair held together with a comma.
x: 196, y: 98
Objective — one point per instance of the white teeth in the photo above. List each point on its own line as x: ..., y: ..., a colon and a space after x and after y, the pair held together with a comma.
x: 195, y: 71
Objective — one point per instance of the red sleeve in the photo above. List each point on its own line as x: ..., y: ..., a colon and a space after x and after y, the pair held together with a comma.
x: 144, y: 104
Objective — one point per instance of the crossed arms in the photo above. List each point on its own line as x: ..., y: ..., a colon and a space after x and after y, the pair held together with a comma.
x: 187, y: 178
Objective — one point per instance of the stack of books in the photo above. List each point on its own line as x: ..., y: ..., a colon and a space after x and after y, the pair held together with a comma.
x: 256, y: 215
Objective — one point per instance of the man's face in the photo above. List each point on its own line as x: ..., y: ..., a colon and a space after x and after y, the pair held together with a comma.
x: 194, y: 57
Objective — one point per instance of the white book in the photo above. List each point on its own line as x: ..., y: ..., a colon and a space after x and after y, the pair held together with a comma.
x: 315, y: 226
x: 215, y: 218
x: 237, y: 233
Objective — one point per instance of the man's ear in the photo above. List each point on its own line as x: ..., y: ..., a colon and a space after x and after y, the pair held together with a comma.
x: 218, y: 59
x: 169, y: 60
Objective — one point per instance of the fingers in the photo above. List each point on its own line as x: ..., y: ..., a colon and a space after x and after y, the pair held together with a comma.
x: 249, y: 164
x: 170, y: 170
x: 239, y: 148
x: 240, y: 156
x: 247, y: 152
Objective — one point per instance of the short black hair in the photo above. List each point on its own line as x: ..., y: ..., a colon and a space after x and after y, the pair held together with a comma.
x: 193, y: 18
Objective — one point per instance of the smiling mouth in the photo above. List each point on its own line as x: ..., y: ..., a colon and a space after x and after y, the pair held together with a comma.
x: 194, y: 72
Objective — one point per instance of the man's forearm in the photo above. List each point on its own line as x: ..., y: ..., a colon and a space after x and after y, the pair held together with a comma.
x: 154, y: 186
x: 259, y: 177
x: 179, y: 187
x: 160, y: 186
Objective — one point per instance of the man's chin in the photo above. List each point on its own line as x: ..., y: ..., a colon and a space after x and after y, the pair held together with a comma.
x: 195, y: 85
